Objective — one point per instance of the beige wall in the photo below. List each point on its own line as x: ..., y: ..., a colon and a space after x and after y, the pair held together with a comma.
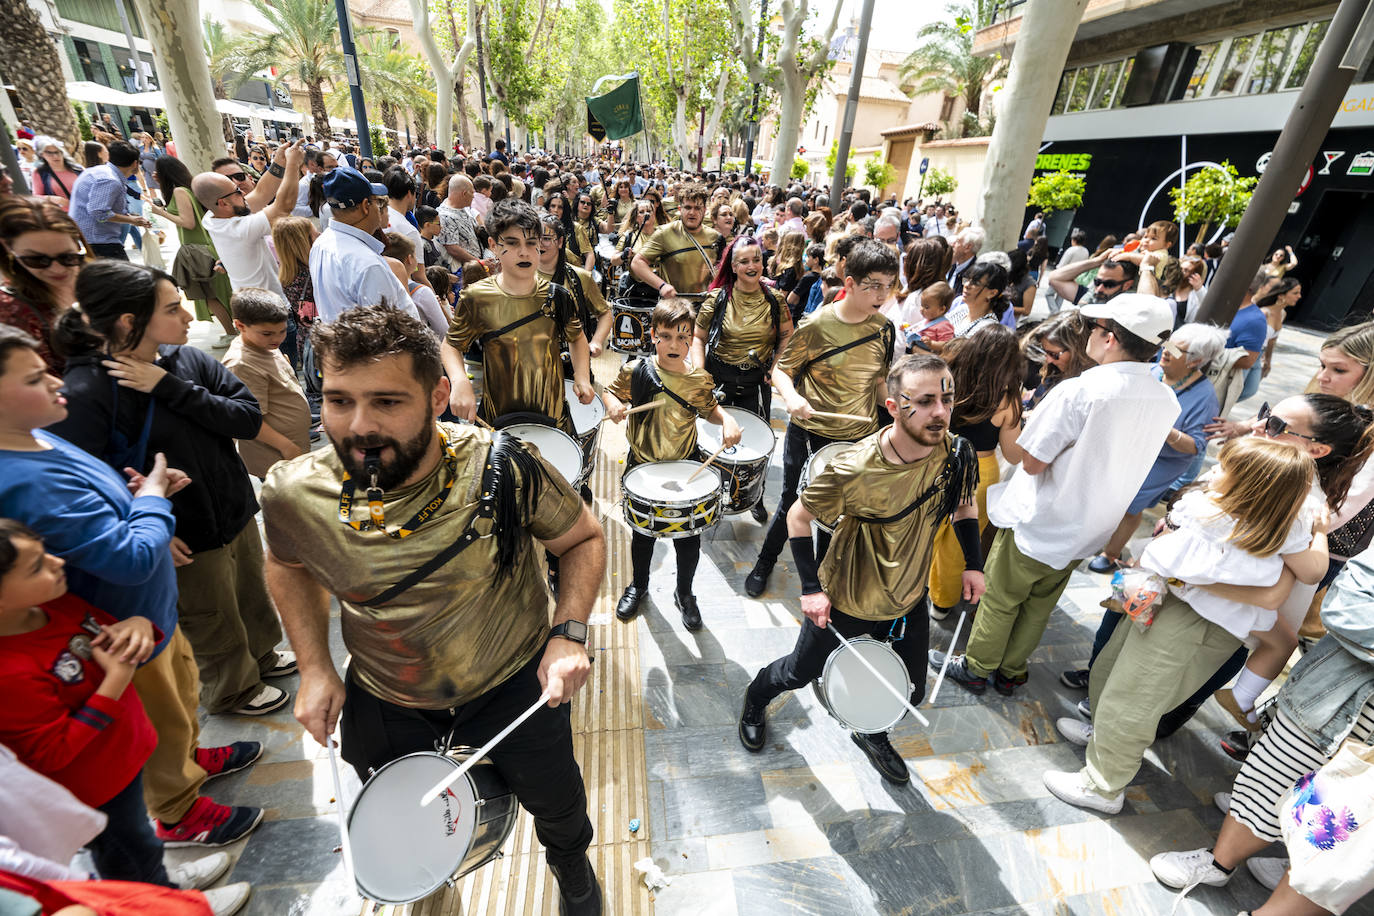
x: 961, y: 158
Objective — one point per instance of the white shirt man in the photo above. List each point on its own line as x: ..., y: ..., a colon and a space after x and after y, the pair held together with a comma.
x: 346, y: 263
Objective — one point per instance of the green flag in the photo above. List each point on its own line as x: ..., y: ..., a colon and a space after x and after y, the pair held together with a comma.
x: 618, y: 110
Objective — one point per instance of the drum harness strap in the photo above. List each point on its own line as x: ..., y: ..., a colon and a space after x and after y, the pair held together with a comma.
x: 886, y: 334
x: 718, y: 321
x: 559, y: 308
x: 958, y: 479
x: 645, y: 384
x: 497, y: 506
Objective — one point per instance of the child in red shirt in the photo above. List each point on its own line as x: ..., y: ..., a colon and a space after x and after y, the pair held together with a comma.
x: 69, y: 712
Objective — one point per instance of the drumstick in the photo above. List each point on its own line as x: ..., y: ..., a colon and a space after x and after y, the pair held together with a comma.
x: 940, y: 678
x: 652, y: 405
x: 707, y: 463
x: 882, y: 680
x: 343, y: 820
x: 484, y: 424
x: 840, y: 416
x: 481, y: 752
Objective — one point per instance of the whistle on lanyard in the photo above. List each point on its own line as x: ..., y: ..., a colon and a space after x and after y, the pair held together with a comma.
x: 372, y: 466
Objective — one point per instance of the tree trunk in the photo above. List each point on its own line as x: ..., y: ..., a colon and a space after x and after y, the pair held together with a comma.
x: 184, y: 75
x: 792, y: 96
x: 1023, y: 107
x: 318, y: 113
x: 446, y: 73
x: 421, y: 138
x: 32, y: 62
x: 389, y: 116
x: 464, y: 135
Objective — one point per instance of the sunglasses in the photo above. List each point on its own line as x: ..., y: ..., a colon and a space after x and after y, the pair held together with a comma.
x: 1278, y: 426
x: 237, y: 176
x: 1099, y: 325
x: 1107, y: 284
x: 44, y: 261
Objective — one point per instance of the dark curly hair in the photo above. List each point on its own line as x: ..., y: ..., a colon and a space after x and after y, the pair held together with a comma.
x: 371, y: 332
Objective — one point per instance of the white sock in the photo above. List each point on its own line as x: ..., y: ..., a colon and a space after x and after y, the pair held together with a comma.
x: 1248, y: 687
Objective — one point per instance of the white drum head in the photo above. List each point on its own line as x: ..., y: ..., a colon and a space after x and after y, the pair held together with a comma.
x: 756, y: 439
x: 558, y: 448
x: 855, y: 696
x: 401, y: 851
x: 822, y: 458
x: 649, y: 481
x: 584, y: 416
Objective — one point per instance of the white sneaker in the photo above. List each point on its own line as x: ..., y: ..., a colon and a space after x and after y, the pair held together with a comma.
x: 1075, y: 731
x: 1188, y: 869
x: 1268, y: 872
x: 286, y: 664
x: 1074, y: 789
x: 269, y: 699
x: 228, y: 900
x: 1223, y: 802
x: 199, y: 873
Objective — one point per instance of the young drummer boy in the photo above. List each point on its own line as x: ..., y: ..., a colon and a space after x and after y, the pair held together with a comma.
x: 666, y: 433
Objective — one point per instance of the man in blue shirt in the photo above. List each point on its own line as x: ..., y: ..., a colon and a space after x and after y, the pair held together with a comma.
x: 1250, y: 330
x: 100, y: 203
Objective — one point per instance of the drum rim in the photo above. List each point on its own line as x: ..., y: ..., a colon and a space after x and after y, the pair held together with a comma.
x: 573, y: 440
x: 455, y: 758
x: 829, y: 664
x: 725, y: 457
x: 674, y: 503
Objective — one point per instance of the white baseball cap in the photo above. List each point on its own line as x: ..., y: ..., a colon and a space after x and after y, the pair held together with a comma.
x: 1147, y: 317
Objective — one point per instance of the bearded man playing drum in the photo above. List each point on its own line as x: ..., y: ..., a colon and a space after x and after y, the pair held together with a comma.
x: 888, y: 493
x: 439, y: 590
x: 677, y: 260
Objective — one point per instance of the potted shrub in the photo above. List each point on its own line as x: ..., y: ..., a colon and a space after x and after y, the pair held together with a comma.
x: 1059, y: 195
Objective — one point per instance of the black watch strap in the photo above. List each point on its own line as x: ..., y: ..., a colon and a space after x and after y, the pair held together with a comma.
x: 575, y: 630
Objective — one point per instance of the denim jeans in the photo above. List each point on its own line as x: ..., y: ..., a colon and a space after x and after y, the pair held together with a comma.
x: 128, y: 849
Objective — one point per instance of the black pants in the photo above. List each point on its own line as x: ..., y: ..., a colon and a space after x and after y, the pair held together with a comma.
x: 814, y: 645
x: 536, y: 760
x: 744, y: 388
x: 797, y: 447
x: 688, y: 555
x: 128, y: 849
x: 114, y: 250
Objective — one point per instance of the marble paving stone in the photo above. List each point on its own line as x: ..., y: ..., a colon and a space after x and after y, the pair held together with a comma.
x: 979, y: 779
x: 311, y: 842
x: 683, y: 855
x: 991, y: 872
x: 714, y: 804
x: 1100, y: 854
x: 327, y: 899
x: 695, y: 695
x: 289, y: 789
x: 809, y: 887
x: 756, y: 847
x: 718, y: 750
x: 708, y: 893
x: 813, y: 795
x: 908, y: 879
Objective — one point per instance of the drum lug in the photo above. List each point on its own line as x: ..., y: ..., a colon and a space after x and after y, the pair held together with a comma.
x: 449, y: 882
x: 371, y: 771
x: 479, y: 803
x: 500, y: 854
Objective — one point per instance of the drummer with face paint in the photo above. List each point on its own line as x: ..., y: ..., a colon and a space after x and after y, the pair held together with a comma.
x: 885, y: 497
x: 666, y: 433
x: 427, y: 533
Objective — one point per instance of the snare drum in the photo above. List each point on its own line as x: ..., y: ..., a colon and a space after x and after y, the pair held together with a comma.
x: 631, y: 328
x: 403, y: 852
x: 851, y: 693
x: 661, y: 503
x: 744, y: 466
x: 816, y: 465
x: 557, y: 447
x: 586, y: 421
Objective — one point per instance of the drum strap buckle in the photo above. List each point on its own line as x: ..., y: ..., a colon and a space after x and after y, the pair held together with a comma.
x: 896, y: 633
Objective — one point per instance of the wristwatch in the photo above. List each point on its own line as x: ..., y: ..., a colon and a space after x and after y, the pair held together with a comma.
x: 575, y: 630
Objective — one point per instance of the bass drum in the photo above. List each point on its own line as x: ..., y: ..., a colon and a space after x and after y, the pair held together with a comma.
x: 744, y: 466
x: 631, y: 328
x: 403, y: 852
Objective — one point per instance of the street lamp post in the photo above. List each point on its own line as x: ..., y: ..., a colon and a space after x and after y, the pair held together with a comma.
x: 851, y: 106
x: 355, y: 88
x: 752, y: 130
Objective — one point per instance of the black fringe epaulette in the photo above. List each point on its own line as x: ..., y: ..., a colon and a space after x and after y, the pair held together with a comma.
x: 961, y: 477
x: 511, y: 462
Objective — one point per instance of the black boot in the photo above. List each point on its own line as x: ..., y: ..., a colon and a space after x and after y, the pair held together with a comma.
x: 691, y: 614
x: 628, y: 605
x: 579, y: 890
x: 759, y: 512
x: 757, y: 580
x: 753, y: 725
x: 883, y: 756
x: 586, y: 494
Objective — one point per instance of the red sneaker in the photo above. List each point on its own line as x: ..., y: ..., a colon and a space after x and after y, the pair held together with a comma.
x: 219, y: 761
x: 209, y: 823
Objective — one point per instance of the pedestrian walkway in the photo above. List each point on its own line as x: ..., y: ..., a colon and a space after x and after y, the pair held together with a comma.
x: 806, y: 826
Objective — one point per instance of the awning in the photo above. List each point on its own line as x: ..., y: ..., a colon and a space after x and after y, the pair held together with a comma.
x: 281, y: 115
x: 84, y: 91
x: 233, y: 108
x: 152, y: 99
x: 343, y: 123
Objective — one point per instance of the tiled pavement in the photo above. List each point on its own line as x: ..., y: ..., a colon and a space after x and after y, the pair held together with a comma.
x: 807, y: 826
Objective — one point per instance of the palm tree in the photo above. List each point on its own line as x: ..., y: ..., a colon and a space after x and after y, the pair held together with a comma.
x: 301, y: 44
x: 221, y: 50
x: 31, y: 62
x: 393, y: 79
x: 944, y: 62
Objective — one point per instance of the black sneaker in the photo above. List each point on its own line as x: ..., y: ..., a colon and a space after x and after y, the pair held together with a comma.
x: 1006, y: 685
x: 1076, y: 678
x: 579, y: 893
x: 759, y: 513
x: 958, y: 672
x: 1237, y: 744
x: 628, y: 606
x: 691, y: 614
x: 883, y: 756
x: 753, y: 725
x: 586, y: 493
x: 757, y: 581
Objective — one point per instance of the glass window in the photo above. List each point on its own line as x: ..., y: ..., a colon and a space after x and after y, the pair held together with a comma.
x: 1082, y: 87
x: 1271, y: 60
x: 1237, y: 60
x: 1065, y: 84
x: 91, y: 62
x: 1206, y: 57
x: 1106, y: 85
x: 1298, y: 75
x: 1120, y: 99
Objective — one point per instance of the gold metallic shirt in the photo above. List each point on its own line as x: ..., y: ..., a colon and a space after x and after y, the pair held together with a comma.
x: 748, y: 326
x: 844, y: 383
x: 667, y: 433
x: 876, y: 571
x: 674, y: 258
x: 523, y: 369
x: 453, y: 636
